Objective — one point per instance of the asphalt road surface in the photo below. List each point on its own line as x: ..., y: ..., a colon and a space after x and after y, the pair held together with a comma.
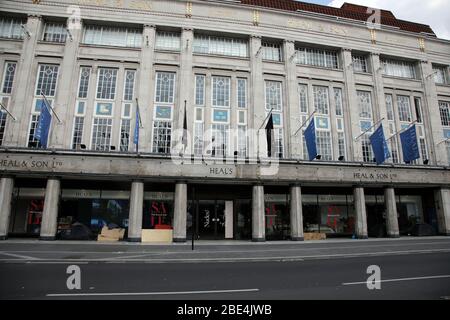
x: 410, y: 269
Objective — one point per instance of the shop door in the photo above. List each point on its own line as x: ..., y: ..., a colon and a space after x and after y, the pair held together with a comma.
x: 211, y: 220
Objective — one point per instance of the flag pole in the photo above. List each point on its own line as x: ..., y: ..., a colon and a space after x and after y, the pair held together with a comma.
x: 445, y: 140
x: 368, y: 129
x: 139, y: 113
x: 7, y: 111
x: 303, y: 124
x: 257, y: 133
x: 398, y: 132
x: 50, y: 107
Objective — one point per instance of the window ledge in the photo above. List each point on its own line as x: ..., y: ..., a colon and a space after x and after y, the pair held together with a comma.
x: 363, y: 73
x: 168, y: 51
x: 445, y: 85
x: 273, y: 61
x: 316, y: 67
x: 220, y: 56
x: 51, y: 42
x: 11, y: 39
x: 401, y: 78
x: 109, y: 47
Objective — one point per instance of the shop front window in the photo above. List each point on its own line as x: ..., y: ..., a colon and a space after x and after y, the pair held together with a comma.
x: 93, y: 209
x: 277, y: 217
x: 329, y: 214
x: 409, y: 211
x: 158, y: 214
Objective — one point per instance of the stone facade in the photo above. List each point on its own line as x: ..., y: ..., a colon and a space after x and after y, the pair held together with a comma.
x: 255, y: 26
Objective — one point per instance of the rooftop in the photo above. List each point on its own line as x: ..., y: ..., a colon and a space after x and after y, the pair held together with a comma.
x: 348, y: 11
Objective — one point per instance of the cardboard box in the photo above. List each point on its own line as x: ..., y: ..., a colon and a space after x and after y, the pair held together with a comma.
x: 101, y: 238
x: 157, y: 235
x: 111, y: 234
x: 314, y: 236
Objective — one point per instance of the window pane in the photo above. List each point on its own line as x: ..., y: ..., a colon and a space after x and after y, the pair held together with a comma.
x: 397, y: 68
x: 321, y: 99
x: 85, y: 73
x: 165, y: 87
x: 55, y: 32
x: 8, y: 77
x: 128, y: 93
x: 168, y: 40
x: 47, y: 78
x: 271, y: 51
x: 107, y: 79
x: 389, y: 107
x: 242, y: 93
x: 317, y: 57
x: 359, y: 63
x: 221, y: 91
x: 364, y: 104
x: 199, y: 90
x: 404, y: 108
x: 220, y: 46
x: 303, y: 95
x: 273, y: 95
x: 338, y: 101
x: 77, y: 132
x: 101, y: 134
x: 162, y: 131
x: 112, y: 36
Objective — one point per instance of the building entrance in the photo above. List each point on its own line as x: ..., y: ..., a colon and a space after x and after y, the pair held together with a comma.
x: 213, y: 219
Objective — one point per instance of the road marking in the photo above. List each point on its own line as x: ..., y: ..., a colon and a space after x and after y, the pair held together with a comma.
x: 244, y: 259
x: 397, y: 280
x: 152, y: 253
x: 18, y: 256
x: 148, y: 293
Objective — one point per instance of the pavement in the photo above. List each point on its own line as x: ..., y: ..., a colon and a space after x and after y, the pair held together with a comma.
x: 411, y: 268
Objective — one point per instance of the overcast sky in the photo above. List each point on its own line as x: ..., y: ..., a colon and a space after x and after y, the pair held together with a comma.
x: 435, y: 13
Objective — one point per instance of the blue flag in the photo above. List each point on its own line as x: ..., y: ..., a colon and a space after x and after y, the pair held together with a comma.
x: 136, y: 127
x: 43, y: 127
x: 310, y: 136
x: 410, y: 147
x: 379, y: 145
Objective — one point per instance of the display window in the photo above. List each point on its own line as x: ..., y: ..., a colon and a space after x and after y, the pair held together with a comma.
x: 277, y: 217
x: 330, y: 214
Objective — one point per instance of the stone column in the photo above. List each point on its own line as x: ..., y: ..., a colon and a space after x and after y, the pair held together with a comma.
x: 296, y: 213
x: 351, y: 113
x: 64, y: 103
x: 186, y: 84
x: 256, y: 108
x: 431, y: 117
x: 442, y: 200
x: 391, y: 213
x: 292, y: 119
x: 180, y: 212
x: 360, y: 210
x: 145, y: 88
x: 136, y: 208
x: 258, y: 214
x: 24, y: 84
x: 50, y: 214
x: 6, y: 191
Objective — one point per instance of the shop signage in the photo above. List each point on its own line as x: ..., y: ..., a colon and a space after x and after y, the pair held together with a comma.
x: 36, y: 164
x: 374, y: 176
x: 222, y: 171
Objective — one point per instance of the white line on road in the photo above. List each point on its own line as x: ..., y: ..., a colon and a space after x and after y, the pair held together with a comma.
x: 19, y: 256
x: 396, y: 280
x: 147, y: 293
x: 234, y: 259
